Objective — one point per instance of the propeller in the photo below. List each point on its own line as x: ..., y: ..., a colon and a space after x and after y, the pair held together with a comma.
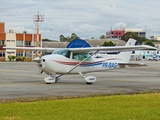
x: 37, y: 59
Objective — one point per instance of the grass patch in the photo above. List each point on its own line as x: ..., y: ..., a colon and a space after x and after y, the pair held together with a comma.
x: 114, y: 107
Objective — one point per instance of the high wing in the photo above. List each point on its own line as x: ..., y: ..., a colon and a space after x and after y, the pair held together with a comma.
x: 129, y: 47
x: 30, y: 48
x: 117, y: 48
x: 88, y: 49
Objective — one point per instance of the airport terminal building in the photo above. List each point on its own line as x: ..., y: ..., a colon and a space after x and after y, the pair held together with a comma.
x: 23, y: 39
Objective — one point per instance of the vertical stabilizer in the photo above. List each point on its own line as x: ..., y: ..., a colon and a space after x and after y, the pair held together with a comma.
x: 125, y: 56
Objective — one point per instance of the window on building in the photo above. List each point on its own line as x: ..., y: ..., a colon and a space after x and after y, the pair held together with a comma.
x: 19, y: 54
x: 28, y: 54
x: 2, y: 54
x: 19, y: 43
x: 10, y: 40
x: 114, y: 36
x: 27, y: 43
x: 1, y: 42
x: 142, y: 34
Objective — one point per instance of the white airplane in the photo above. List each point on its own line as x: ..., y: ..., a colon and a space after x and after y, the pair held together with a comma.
x: 78, y: 61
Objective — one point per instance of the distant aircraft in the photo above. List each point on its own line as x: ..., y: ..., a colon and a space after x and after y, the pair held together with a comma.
x: 77, y: 60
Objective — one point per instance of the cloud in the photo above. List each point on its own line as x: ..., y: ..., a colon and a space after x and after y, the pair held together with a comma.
x: 89, y: 18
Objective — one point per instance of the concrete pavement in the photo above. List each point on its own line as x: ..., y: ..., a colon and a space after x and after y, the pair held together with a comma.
x: 21, y: 80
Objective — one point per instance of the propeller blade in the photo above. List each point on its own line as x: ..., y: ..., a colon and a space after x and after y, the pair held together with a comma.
x: 37, y: 59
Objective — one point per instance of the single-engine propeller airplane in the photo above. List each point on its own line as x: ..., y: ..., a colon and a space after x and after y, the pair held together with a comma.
x: 77, y: 60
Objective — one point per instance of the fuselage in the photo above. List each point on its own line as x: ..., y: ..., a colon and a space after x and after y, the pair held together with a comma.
x: 59, y: 64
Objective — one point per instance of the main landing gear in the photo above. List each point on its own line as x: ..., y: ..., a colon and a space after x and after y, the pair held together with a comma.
x: 89, y: 79
x: 51, y: 79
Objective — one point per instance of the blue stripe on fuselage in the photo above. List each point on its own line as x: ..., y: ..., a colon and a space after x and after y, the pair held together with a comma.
x: 91, y: 64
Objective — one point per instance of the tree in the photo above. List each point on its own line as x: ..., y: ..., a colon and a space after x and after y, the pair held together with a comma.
x: 102, y: 37
x: 20, y: 58
x: 128, y: 35
x: 73, y: 36
x: 61, y: 38
x: 48, y: 40
x: 68, y: 39
x: 144, y: 39
x: 13, y: 57
x: 148, y: 42
x: 10, y: 57
x: 45, y: 39
x: 110, y: 43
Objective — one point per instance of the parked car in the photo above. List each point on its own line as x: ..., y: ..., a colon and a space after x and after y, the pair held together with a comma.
x: 153, y: 58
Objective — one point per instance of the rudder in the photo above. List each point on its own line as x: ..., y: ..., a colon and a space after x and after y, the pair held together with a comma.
x: 125, y: 56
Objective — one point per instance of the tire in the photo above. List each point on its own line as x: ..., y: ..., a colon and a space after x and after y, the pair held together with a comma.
x: 88, y: 83
x: 48, y: 83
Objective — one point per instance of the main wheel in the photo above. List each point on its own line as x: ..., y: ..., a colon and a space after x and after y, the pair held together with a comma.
x: 48, y: 83
x: 88, y: 83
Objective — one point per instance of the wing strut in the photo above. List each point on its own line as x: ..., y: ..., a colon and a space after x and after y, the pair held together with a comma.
x: 77, y: 64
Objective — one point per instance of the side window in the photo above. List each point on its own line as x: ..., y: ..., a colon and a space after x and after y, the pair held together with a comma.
x: 86, y: 56
x: 77, y: 56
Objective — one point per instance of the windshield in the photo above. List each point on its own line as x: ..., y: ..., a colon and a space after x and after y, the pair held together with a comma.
x: 61, y: 51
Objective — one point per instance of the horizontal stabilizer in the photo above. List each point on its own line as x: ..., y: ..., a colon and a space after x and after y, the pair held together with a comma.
x: 122, y: 65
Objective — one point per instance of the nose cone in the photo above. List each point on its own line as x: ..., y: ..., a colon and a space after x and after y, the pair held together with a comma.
x: 37, y: 59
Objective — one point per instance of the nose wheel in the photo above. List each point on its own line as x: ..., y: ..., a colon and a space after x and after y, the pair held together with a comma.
x: 52, y: 79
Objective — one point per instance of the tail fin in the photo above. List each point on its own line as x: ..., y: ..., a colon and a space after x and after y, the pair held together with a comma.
x: 125, y: 56
x: 130, y: 42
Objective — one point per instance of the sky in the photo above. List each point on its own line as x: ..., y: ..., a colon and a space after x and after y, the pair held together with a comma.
x: 86, y: 18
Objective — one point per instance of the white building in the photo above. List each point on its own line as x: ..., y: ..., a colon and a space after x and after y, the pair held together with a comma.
x: 140, y: 32
x: 18, y: 40
x: 155, y: 37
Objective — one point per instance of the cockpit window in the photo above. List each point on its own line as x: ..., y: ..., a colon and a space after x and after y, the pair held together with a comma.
x: 64, y: 52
